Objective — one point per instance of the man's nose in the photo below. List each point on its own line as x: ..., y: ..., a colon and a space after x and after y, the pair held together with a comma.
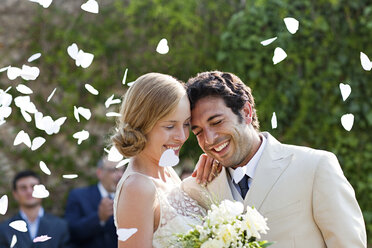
x: 210, y: 136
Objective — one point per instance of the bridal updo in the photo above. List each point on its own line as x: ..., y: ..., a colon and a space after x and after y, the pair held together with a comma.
x: 152, y: 97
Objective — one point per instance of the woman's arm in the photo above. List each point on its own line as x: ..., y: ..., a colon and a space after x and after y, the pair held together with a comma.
x: 136, y: 207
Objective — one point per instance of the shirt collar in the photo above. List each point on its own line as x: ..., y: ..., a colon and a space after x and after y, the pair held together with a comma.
x: 250, y: 168
x: 104, y: 192
x: 39, y: 215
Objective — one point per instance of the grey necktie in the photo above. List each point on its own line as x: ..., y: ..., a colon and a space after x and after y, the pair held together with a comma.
x: 243, y: 185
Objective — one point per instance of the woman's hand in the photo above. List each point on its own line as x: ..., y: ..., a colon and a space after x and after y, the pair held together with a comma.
x: 206, y: 169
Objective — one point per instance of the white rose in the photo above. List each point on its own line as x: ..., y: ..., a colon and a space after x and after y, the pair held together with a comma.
x: 212, y: 243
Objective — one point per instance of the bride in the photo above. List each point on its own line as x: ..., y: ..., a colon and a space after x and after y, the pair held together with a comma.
x: 155, y: 116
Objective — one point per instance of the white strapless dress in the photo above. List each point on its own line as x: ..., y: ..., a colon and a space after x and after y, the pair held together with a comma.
x: 178, y: 212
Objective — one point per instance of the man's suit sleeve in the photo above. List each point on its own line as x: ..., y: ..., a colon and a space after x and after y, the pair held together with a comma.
x: 82, y: 225
x: 335, y: 207
x: 3, y: 240
x: 65, y: 236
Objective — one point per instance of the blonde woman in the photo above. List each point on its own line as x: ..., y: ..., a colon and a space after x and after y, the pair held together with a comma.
x: 155, y: 116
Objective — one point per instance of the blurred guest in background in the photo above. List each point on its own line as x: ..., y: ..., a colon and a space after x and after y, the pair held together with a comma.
x: 89, y: 209
x: 37, y: 220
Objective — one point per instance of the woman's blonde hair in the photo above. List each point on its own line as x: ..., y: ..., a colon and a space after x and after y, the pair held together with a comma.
x: 152, y: 97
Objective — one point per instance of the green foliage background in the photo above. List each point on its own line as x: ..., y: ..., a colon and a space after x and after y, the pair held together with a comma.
x: 303, y: 89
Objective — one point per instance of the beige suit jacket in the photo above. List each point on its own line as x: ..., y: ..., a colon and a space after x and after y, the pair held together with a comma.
x: 302, y: 192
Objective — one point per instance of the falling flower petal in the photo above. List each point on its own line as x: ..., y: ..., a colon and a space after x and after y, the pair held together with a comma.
x: 111, y: 101
x: 114, y: 155
x: 44, y: 3
x: 34, y: 57
x: 91, y: 89
x: 125, y: 76
x: 24, y: 89
x: 19, y: 225
x: 345, y: 91
x: 163, y: 47
x: 268, y: 41
x: 113, y: 114
x: 131, y: 83
x: 125, y: 233
x: 14, y: 241
x: 30, y: 73
x: 84, y: 59
x: 51, y: 94
x: 273, y: 121
x: 76, y: 114
x: 41, y: 238
x: 168, y: 158
x: 73, y: 51
x: 70, y: 176
x: 13, y: 73
x: 40, y: 191
x: 81, y: 136
x: 279, y: 55
x: 347, y: 121
x: 26, y: 115
x: 3, y: 204
x: 44, y: 168
x: 84, y: 112
x: 4, y: 68
x: 364, y: 60
x: 292, y: 24
x: 22, y: 137
x: 122, y: 163
x: 37, y: 143
x: 90, y: 6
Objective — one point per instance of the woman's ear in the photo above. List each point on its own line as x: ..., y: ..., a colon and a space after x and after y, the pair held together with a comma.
x: 247, y: 112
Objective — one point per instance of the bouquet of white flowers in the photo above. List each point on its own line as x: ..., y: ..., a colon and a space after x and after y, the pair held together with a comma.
x: 225, y: 226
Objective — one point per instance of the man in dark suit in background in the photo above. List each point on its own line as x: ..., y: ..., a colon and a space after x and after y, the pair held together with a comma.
x: 89, y: 209
x: 38, y: 222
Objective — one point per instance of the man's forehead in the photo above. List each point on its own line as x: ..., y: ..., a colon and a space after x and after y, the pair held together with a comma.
x: 27, y: 180
x: 208, y: 107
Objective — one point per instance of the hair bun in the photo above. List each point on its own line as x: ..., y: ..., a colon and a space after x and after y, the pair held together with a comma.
x: 129, y: 141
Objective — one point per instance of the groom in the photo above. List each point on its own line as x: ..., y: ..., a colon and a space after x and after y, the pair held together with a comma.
x: 301, y: 191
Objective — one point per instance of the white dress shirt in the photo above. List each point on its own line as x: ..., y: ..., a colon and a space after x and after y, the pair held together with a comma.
x: 32, y: 227
x: 104, y: 193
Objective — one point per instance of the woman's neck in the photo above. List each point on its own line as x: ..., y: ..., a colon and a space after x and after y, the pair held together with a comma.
x: 144, y: 165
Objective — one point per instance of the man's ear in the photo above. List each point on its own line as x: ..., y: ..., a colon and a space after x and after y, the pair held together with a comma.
x: 247, y: 112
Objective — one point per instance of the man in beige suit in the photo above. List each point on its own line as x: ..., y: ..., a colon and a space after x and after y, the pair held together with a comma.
x: 302, y: 191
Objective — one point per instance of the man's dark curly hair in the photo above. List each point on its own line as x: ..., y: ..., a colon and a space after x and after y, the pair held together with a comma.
x: 225, y: 85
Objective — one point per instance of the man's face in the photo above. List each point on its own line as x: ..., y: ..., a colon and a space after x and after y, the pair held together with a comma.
x: 220, y: 134
x: 109, y: 176
x: 23, y: 192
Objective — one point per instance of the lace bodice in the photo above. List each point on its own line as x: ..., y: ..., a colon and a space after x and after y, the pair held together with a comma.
x: 178, y: 212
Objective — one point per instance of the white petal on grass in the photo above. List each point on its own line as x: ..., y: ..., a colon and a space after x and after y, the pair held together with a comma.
x: 292, y: 24
x: 4, y: 68
x: 274, y: 123
x: 279, y: 55
x: 122, y: 163
x: 268, y: 41
x: 41, y: 238
x: 3, y: 204
x: 162, y: 46
x: 90, y: 6
x: 113, y: 114
x: 168, y: 158
x: 73, y: 51
x: 81, y: 136
x: 91, y: 89
x: 19, y: 225
x: 114, y: 155
x: 24, y: 89
x: 22, y: 137
x: 44, y: 168
x: 111, y: 101
x: 34, y: 57
x: 125, y: 76
x: 364, y: 60
x: 51, y: 94
x: 40, y: 191
x: 347, y: 121
x: 30, y: 73
x: 70, y: 176
x: 37, y: 143
x: 13, y: 72
x: 125, y: 233
x: 345, y: 91
x: 14, y: 241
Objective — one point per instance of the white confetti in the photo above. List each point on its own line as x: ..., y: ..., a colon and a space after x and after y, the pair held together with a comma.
x: 51, y: 94
x: 168, y: 158
x: 131, y: 83
x: 163, y: 47
x: 14, y: 241
x: 292, y: 24
x: 81, y: 58
x: 90, y: 6
x: 19, y: 225
x: 83, y: 112
x: 29, y: 73
x: 81, y: 136
x: 347, y: 121
x: 364, y: 60
x: 4, y: 68
x: 279, y: 55
x: 47, y: 124
x: 24, y: 89
x: 44, y: 168
x: 274, y: 123
x: 13, y: 72
x: 113, y: 114
x: 34, y: 57
x: 73, y: 51
x: 268, y: 41
x: 114, y: 155
x: 122, y: 163
x: 3, y: 204
x: 41, y: 238
x: 111, y: 101
x: 22, y: 137
x: 44, y: 3
x: 125, y: 233
x: 345, y: 91
x: 40, y: 191
x: 125, y: 76
x: 70, y: 176
x: 91, y: 89
x: 37, y: 143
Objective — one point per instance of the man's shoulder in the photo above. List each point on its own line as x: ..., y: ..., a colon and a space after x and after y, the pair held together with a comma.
x: 4, y: 225
x: 84, y: 190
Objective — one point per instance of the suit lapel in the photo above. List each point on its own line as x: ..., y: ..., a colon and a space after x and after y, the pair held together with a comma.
x: 273, y: 162
x: 219, y: 188
x: 23, y: 238
x: 44, y: 227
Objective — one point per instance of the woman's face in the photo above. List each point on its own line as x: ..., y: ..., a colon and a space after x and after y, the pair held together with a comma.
x: 170, y: 132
